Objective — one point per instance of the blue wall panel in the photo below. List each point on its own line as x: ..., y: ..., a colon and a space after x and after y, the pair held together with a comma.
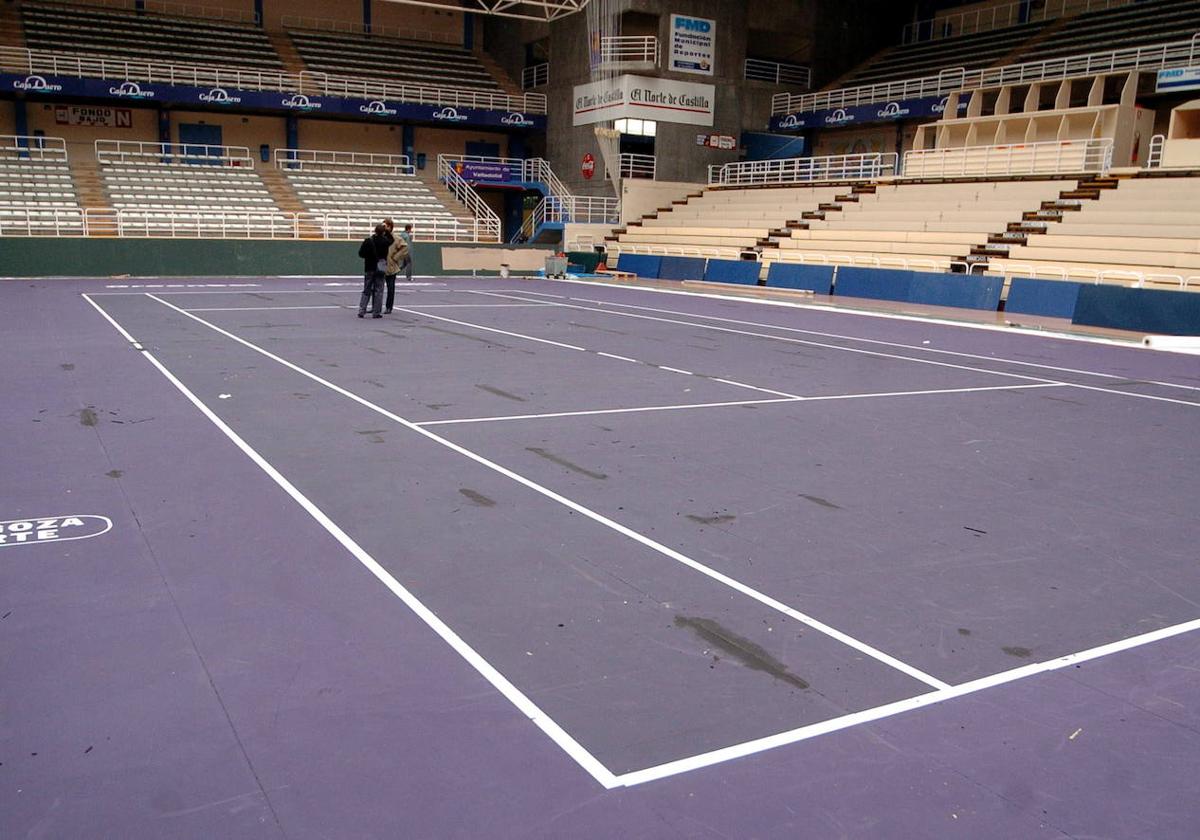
x: 681, y: 268
x: 643, y: 265
x: 814, y: 278
x: 965, y: 291
x: 873, y: 283
x: 1054, y: 298
x: 733, y: 271
x: 1142, y: 310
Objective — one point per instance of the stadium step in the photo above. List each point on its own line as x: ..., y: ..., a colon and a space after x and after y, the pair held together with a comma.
x: 829, y: 207
x: 813, y: 214
x: 12, y: 30
x: 281, y: 190
x: 1027, y: 227
x: 851, y: 199
x: 286, y: 50
x: 988, y: 251
x: 506, y: 82
x: 1088, y: 194
x: 863, y: 189
x: 1010, y: 237
x: 1042, y: 216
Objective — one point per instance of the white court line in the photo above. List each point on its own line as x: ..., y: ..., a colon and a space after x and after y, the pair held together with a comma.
x: 501, y: 683
x: 613, y: 525
x: 856, y: 350
x: 686, y: 406
x: 486, y: 329
x: 921, y: 348
x: 708, y: 759
x: 266, y: 308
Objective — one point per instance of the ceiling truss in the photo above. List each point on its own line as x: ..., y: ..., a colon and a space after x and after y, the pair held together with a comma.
x: 541, y: 10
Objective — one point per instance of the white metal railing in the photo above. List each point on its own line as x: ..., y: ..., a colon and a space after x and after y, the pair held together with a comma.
x: 136, y: 151
x: 1096, y: 276
x: 804, y: 170
x: 30, y: 147
x: 535, y: 76
x: 629, y: 49
x: 168, y: 9
x: 1154, y: 155
x: 1157, y: 57
x: 868, y: 261
x: 48, y: 221
x: 353, y: 226
x: 950, y: 25
x: 316, y: 24
x: 1011, y: 159
x: 637, y: 166
x: 308, y: 83
x: 487, y: 223
x: 527, y: 169
x: 777, y: 72
x: 321, y: 160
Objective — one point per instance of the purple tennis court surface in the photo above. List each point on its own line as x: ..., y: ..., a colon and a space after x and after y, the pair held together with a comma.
x: 538, y: 559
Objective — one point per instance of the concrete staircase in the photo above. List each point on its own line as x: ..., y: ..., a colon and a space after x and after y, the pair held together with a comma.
x: 286, y: 199
x: 12, y: 30
x: 507, y: 83
x: 288, y: 54
x: 447, y: 198
x: 89, y: 189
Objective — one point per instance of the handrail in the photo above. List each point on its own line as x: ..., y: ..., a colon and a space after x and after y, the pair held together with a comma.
x: 620, y: 49
x: 323, y: 160
x: 137, y: 151
x: 486, y: 220
x: 33, y: 147
x: 1093, y: 275
x: 777, y: 72
x: 530, y: 169
x: 1154, y: 154
x: 805, y: 170
x: 535, y: 76
x: 1155, y: 57
x: 637, y: 166
x: 137, y: 72
x: 167, y: 9
x: 1011, y: 159
x: 997, y: 17
x: 317, y: 24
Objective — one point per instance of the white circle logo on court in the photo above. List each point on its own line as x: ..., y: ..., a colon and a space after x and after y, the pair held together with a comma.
x: 46, y: 529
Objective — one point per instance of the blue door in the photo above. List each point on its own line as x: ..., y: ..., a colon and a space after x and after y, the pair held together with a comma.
x: 197, y: 141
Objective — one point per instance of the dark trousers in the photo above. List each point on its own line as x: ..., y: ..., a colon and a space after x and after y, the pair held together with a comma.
x: 372, y: 291
x: 391, y: 292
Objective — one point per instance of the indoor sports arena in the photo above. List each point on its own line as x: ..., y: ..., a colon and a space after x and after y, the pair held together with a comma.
x: 599, y: 419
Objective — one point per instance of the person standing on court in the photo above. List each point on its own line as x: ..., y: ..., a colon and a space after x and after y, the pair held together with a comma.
x: 373, y: 251
x: 407, y: 264
x: 393, y: 267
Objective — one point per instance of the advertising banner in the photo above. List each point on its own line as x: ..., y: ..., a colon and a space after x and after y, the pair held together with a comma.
x: 1178, y: 78
x: 478, y: 172
x: 646, y: 98
x: 258, y: 100
x: 94, y: 115
x: 693, y: 45
x: 904, y: 109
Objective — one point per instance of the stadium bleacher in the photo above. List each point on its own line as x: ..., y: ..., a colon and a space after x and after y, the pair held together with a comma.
x: 36, y: 192
x: 127, y: 34
x: 398, y: 62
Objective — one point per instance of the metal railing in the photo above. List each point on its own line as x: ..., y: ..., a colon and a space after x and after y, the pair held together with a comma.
x: 487, y: 223
x: 316, y: 24
x: 168, y: 9
x: 136, y: 151
x: 1157, y: 57
x: 45, y: 221
x: 629, y: 49
x: 535, y: 76
x: 527, y: 169
x: 998, y: 17
x: 804, y: 170
x: 135, y: 73
x: 28, y: 147
x: 777, y: 72
x: 637, y: 166
x: 1096, y: 276
x: 1011, y: 159
x: 1154, y: 154
x: 321, y: 160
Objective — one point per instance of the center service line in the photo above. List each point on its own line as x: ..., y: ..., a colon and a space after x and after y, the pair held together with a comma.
x: 670, y: 553
x: 501, y: 683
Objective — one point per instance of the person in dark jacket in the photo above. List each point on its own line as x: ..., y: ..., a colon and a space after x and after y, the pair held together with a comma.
x: 373, y: 251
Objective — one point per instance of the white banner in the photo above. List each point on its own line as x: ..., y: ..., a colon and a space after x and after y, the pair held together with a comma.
x: 693, y: 45
x: 1180, y: 78
x: 94, y: 115
x: 644, y: 98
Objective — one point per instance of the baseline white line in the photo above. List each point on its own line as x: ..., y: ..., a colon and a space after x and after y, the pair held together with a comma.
x: 695, y: 762
x: 265, y: 308
x: 652, y: 544
x: 861, y: 351
x: 514, y: 695
x: 923, y: 349
x: 805, y: 342
x: 686, y: 406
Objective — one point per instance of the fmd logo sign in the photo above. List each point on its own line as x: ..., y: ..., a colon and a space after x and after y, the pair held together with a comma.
x: 46, y: 529
x: 36, y: 84
x: 377, y: 108
x: 300, y: 102
x: 220, y: 96
x: 131, y: 90
x: 693, y: 24
x: 449, y: 114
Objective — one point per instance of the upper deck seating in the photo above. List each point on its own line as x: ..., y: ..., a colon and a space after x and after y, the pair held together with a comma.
x: 922, y: 226
x: 392, y: 60
x: 1147, y: 230
x: 1120, y: 28
x: 127, y: 34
